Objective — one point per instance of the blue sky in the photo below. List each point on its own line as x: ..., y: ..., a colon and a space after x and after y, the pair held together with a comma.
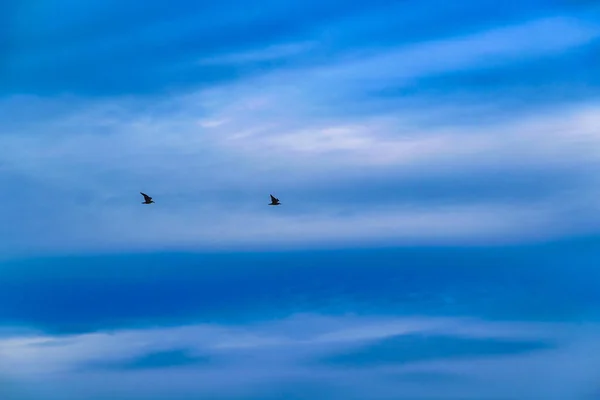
x: 436, y: 164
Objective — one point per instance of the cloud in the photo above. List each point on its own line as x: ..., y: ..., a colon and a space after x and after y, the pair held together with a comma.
x: 501, y: 45
x: 265, y: 358
x: 271, y: 53
x: 41, y: 352
x: 419, y: 348
x: 103, y: 50
x: 350, y: 166
x: 85, y: 178
x: 161, y: 359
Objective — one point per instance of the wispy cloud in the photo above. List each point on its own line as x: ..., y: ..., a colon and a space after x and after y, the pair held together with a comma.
x: 271, y: 53
x: 86, y: 163
x: 284, y: 352
x: 532, y: 39
x: 307, y: 131
x: 419, y: 348
x: 159, y: 359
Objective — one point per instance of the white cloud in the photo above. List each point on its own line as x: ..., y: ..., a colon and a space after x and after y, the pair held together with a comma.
x: 499, y: 45
x: 38, y: 353
x: 175, y: 161
x: 211, y: 158
x: 277, y: 352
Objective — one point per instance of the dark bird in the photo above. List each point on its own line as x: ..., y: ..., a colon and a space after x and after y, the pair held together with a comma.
x: 274, y: 201
x: 147, y: 199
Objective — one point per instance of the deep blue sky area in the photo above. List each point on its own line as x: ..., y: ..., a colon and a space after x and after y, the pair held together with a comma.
x: 437, y: 163
x: 68, y: 295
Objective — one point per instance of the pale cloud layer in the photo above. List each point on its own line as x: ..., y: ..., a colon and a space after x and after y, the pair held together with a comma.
x: 292, y: 350
x: 211, y: 157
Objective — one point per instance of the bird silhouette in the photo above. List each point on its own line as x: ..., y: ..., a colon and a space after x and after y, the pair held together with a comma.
x: 147, y: 199
x: 274, y: 201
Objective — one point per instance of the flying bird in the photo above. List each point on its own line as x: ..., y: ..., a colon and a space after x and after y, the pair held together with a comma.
x: 274, y: 201
x: 147, y: 199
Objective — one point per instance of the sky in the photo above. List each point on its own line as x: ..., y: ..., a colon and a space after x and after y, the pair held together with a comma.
x: 436, y: 164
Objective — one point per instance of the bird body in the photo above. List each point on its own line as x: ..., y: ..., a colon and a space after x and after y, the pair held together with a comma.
x: 147, y: 199
x: 274, y: 201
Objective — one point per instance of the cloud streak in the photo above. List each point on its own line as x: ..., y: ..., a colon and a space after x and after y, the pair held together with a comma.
x: 284, y: 352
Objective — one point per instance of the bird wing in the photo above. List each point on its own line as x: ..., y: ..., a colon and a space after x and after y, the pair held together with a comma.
x: 274, y: 199
x: 146, y: 197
